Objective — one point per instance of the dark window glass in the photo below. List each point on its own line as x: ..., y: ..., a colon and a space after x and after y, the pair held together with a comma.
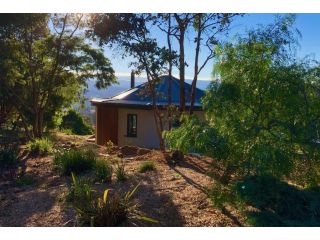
x: 132, y: 125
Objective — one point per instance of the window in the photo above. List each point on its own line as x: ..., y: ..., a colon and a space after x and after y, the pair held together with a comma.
x: 132, y: 125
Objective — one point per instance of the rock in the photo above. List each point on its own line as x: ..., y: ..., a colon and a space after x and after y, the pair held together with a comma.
x: 143, y: 151
x: 177, y: 156
x: 129, y: 150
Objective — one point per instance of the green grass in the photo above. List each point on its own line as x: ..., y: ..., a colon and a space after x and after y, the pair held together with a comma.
x: 25, y: 180
x: 80, y: 190
x: 102, y: 171
x: 120, y: 172
x: 39, y: 146
x: 77, y: 161
x: 147, y: 166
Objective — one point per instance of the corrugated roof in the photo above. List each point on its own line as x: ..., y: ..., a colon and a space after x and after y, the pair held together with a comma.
x: 138, y: 96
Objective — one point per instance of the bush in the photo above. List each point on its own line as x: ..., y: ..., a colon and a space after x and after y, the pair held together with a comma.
x: 80, y: 191
x: 76, y: 161
x: 102, y: 171
x: 120, y: 172
x: 195, y: 135
x: 278, y: 203
x: 74, y: 123
x: 108, y: 211
x: 8, y: 157
x: 147, y: 166
x: 25, y: 180
x: 109, y: 146
x: 39, y: 146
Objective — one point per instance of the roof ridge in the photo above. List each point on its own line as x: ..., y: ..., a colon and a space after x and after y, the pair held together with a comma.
x: 175, y: 81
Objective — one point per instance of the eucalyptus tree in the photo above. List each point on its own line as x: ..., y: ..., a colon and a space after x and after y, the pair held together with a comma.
x: 130, y: 33
x: 45, y: 63
x: 209, y: 29
x: 164, y: 21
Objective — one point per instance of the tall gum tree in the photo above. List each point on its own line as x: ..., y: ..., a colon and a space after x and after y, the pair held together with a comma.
x: 131, y: 33
x: 45, y: 63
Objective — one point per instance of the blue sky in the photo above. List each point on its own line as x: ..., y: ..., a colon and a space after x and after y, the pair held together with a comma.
x: 307, y: 24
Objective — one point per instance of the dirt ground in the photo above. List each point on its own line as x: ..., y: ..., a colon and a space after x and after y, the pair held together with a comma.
x: 173, y: 195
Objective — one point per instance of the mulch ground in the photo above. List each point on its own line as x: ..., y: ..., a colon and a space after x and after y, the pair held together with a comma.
x: 174, y: 196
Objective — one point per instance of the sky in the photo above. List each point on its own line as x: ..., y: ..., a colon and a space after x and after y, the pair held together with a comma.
x: 307, y: 24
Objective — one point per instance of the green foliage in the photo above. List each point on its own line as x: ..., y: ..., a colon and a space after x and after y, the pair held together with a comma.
x: 262, y: 116
x: 46, y: 70
x: 41, y: 146
x: 73, y: 121
x: 105, y: 211
x: 220, y: 194
x: 77, y: 161
x: 278, y: 203
x: 102, y: 171
x: 267, y: 104
x: 147, y: 166
x: 195, y: 135
x: 25, y: 180
x: 120, y: 172
x: 8, y: 156
x: 109, y: 145
x: 80, y: 191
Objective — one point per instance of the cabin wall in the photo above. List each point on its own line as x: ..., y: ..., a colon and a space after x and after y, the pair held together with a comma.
x: 111, y: 124
x: 146, y: 128
x: 106, y: 124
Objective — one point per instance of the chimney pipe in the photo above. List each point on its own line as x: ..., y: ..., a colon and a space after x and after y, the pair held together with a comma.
x: 132, y: 79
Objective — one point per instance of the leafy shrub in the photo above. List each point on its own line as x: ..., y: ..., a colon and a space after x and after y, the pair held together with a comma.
x: 25, y: 180
x: 220, y: 194
x: 279, y: 203
x: 75, y: 123
x: 147, y: 166
x: 195, y: 135
x: 40, y: 146
x: 120, y: 172
x: 8, y: 157
x: 80, y: 191
x: 108, y: 211
x: 109, y: 145
x: 102, y: 171
x: 76, y: 161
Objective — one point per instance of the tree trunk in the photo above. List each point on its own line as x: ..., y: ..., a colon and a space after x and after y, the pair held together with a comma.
x: 37, y: 127
x: 196, y: 67
x: 181, y: 72
x: 156, y: 113
x: 182, y: 25
x: 170, y: 75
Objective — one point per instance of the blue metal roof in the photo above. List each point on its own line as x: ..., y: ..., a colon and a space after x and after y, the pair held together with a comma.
x: 138, y: 96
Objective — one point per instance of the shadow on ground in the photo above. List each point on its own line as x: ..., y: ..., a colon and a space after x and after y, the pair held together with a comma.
x: 278, y: 203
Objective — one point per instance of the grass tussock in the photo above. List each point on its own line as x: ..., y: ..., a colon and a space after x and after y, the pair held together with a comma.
x: 25, y: 180
x: 147, y: 166
x: 120, y: 172
x: 102, y: 171
x: 109, y: 210
x: 77, y: 161
x: 40, y: 146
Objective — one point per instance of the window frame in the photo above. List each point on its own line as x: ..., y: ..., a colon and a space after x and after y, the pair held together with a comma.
x: 130, y: 118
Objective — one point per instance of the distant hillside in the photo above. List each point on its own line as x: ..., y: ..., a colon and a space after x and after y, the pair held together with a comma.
x: 124, y: 84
